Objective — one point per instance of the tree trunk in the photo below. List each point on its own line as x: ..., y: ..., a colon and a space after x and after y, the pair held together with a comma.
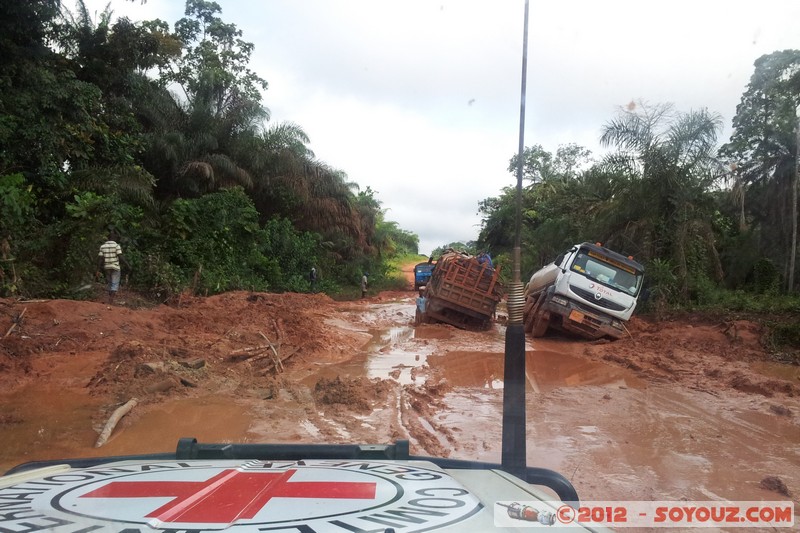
x: 680, y: 259
x: 793, y: 248
x: 112, y: 422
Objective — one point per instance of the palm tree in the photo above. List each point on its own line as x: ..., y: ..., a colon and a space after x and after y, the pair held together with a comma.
x: 668, y: 161
x: 191, y: 149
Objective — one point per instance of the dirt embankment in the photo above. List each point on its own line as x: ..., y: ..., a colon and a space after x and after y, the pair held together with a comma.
x: 221, y: 339
x: 708, y: 355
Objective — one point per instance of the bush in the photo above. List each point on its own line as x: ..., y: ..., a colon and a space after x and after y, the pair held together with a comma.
x: 766, y: 278
x: 215, y: 242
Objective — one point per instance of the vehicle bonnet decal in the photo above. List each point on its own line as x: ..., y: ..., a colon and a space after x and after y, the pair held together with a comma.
x: 309, y: 496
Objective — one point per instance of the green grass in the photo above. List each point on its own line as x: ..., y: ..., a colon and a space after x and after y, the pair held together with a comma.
x: 396, y: 263
x: 395, y: 279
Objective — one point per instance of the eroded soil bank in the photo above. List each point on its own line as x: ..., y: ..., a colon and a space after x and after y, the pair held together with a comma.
x: 679, y: 410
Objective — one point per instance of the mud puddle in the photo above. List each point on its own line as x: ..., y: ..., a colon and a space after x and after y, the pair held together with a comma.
x: 207, y: 418
x: 545, y: 371
x: 777, y: 370
x: 619, y: 442
x: 35, y: 424
x: 391, y: 354
x: 44, y: 429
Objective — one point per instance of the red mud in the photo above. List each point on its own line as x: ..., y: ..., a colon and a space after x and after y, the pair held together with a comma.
x: 677, y: 410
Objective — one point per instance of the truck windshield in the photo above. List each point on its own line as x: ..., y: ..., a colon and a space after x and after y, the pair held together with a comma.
x: 609, y: 273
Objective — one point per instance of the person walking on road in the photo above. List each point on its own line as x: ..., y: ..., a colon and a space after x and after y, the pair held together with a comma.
x: 108, y: 260
x: 364, y: 285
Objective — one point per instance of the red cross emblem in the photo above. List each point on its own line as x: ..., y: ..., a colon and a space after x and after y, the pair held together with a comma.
x: 230, y: 495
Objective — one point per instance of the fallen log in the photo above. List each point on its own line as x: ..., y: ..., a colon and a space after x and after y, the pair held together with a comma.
x: 266, y: 371
x: 16, y: 322
x: 277, y: 359
x: 114, y: 420
x: 239, y: 357
x: 188, y: 383
x: 194, y: 364
x: 162, y: 386
x: 250, y: 349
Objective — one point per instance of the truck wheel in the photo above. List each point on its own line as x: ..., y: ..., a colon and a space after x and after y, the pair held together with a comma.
x: 529, y: 314
x: 540, y: 324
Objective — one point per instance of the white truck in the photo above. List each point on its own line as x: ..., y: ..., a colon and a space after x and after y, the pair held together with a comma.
x: 588, y: 290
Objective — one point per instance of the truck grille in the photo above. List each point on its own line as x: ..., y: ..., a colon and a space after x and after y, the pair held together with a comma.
x: 602, y: 302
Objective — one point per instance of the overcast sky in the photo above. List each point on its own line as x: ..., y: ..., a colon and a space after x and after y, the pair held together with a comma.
x: 420, y: 99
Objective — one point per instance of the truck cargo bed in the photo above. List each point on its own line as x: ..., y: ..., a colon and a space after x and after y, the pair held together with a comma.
x: 463, y: 292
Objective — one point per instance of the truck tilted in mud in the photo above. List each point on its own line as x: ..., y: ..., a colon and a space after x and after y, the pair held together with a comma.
x: 462, y: 291
x: 588, y: 290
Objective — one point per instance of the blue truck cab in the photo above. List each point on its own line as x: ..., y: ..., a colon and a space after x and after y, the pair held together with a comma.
x: 422, y: 273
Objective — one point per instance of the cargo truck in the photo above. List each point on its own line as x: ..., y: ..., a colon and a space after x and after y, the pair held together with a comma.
x: 462, y: 291
x: 588, y: 290
x: 422, y: 273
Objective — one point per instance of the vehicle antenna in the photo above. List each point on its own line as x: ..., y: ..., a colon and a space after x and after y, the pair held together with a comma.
x: 513, y: 459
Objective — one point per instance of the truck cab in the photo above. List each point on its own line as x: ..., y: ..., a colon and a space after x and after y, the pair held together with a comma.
x: 422, y: 273
x: 588, y: 290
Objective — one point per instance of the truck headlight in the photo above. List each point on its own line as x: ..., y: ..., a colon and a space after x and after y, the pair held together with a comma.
x: 559, y: 300
x: 616, y: 323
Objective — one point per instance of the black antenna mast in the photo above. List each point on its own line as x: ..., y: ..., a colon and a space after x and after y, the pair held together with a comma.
x: 514, y: 448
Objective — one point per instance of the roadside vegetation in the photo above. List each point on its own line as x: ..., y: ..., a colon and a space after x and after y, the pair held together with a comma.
x: 715, y: 226
x: 160, y: 133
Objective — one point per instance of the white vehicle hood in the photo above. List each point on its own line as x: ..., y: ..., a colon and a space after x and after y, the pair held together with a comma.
x: 255, y: 496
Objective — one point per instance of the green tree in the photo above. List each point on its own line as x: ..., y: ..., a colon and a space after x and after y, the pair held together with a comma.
x: 555, y: 206
x: 468, y: 247
x: 216, y: 242
x: 668, y: 161
x: 194, y: 142
x: 763, y: 152
x: 214, y: 65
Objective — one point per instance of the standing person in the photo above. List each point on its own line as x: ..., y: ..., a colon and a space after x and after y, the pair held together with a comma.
x: 312, y: 277
x: 364, y: 285
x: 422, y: 306
x: 108, y: 259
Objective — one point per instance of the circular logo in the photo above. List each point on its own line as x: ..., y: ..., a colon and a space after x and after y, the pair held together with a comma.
x: 250, y: 496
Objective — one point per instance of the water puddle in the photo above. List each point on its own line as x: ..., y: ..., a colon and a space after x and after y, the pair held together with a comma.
x: 548, y: 370
x: 208, y: 419
x: 392, y: 353
x: 545, y: 371
x: 770, y: 369
x: 41, y: 424
x: 64, y: 424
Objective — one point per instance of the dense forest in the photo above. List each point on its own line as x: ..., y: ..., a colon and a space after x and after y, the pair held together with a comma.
x: 160, y: 134
x: 710, y: 221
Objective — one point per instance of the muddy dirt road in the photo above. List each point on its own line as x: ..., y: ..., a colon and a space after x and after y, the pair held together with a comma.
x: 679, y: 410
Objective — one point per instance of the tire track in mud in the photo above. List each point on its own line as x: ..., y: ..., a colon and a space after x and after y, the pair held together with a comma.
x: 416, y: 418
